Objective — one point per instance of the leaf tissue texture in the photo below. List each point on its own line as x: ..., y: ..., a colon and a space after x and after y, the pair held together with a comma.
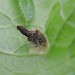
x: 27, y: 8
x: 56, y: 18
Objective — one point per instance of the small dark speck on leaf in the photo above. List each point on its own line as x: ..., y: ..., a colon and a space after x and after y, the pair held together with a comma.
x: 34, y: 36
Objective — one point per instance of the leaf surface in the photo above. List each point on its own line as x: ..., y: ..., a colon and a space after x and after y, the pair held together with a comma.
x: 56, y: 19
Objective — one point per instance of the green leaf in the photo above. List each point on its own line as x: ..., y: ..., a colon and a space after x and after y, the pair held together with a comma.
x: 57, y: 20
x: 59, y: 31
x: 27, y: 8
